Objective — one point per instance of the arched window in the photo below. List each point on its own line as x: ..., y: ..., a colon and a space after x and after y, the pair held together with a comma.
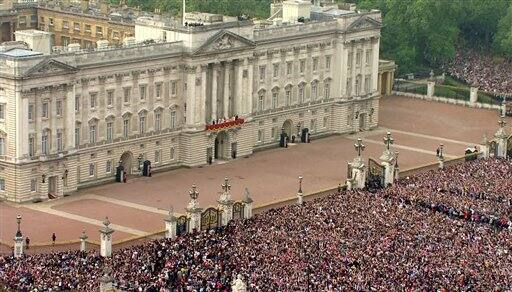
x: 261, y: 100
x: 327, y: 88
x: 314, y: 90
x: 110, y: 127
x: 302, y: 89
x: 93, y: 131
x: 126, y: 125
x: 288, y: 95
x: 275, y: 97
x: 158, y: 119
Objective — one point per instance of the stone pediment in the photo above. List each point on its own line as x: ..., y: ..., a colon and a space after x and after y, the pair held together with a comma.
x: 224, y: 41
x: 364, y: 23
x: 49, y: 67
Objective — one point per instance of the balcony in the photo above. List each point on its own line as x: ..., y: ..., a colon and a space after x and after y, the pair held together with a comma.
x: 225, y: 125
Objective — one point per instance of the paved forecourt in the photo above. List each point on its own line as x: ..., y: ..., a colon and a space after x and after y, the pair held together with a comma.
x: 138, y: 207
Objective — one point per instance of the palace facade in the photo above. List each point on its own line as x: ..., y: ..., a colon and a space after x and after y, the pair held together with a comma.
x: 68, y: 120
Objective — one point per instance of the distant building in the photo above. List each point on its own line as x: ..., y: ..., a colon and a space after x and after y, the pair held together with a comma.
x: 171, y: 93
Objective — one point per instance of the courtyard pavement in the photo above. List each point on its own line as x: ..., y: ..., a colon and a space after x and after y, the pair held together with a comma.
x: 138, y: 207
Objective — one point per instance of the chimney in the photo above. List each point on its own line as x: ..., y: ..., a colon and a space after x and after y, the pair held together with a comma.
x: 104, y: 8
x: 84, y: 5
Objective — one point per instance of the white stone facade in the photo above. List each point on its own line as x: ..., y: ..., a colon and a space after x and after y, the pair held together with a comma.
x: 70, y: 119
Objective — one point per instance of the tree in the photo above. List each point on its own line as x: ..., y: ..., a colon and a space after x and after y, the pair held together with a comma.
x: 503, y: 39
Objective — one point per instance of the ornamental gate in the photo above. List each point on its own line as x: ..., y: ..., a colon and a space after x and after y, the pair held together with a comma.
x: 210, y: 218
x: 181, y: 225
x: 375, y: 177
x: 238, y: 210
x: 493, y: 149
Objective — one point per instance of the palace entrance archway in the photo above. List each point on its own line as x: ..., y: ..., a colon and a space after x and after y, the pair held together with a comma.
x: 362, y: 122
x: 126, y: 161
x: 288, y: 126
x: 221, y: 146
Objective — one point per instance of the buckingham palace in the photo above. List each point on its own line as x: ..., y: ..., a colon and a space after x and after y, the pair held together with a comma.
x: 182, y: 93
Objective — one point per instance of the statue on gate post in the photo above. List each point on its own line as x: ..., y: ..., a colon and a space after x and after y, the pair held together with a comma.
x: 388, y: 160
x: 501, y: 138
x: 226, y: 203
x: 484, y: 147
x: 193, y: 210
x: 357, y: 178
x: 239, y: 284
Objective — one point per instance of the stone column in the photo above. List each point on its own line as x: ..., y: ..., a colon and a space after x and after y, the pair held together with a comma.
x: 191, y: 92
x: 430, y: 89
x: 18, y: 239
x: 226, y: 203
x: 83, y: 238
x: 194, y: 211
x: 250, y: 82
x: 238, y: 97
x: 170, y: 225
x: 227, y: 89
x: 247, y: 204
x: 22, y: 124
x: 484, y: 147
x: 388, y: 161
x: 300, y: 194
x: 106, y: 282
x: 106, y: 239
x: 473, y: 96
x: 214, y: 101
x: 201, y: 106
x: 358, y: 174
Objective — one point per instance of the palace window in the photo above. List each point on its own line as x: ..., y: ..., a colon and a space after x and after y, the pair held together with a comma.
x: 77, y: 136
x: 288, y: 94
x: 173, y: 119
x: 260, y: 135
x: 326, y: 121
x: 313, y: 125
x: 261, y: 100
x: 59, y: 108
x: 315, y: 64
x: 2, y: 111
x: 172, y: 153
x: 142, y: 91
x: 77, y: 103
x: 108, y: 168
x: 92, y: 133
x: 276, y: 70
x: 45, y: 147
x: 60, y: 143
x: 327, y: 89
x: 126, y: 128
x: 314, y: 90
x: 275, y: 98
x: 302, y: 66
x: 93, y: 99
x: 350, y: 60
x: 2, y: 146
x: 31, y: 146
x: 2, y: 184
x: 91, y: 169
x: 289, y: 68
x: 142, y: 123
x: 110, y: 131
x: 126, y: 94
x: 158, y: 120
x: 157, y: 156
x: 262, y: 73
x: 359, y: 56
x: 173, y: 88
x: 349, y: 86
x: 158, y: 90
x: 301, y: 93
x: 33, y: 184
x: 368, y: 59
x: 110, y: 97
x: 44, y: 113
x: 358, y: 84
x: 30, y: 112
x: 367, y: 83
x: 327, y: 62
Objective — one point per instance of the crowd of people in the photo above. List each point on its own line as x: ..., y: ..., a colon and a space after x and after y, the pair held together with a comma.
x: 352, y: 240
x: 482, y: 70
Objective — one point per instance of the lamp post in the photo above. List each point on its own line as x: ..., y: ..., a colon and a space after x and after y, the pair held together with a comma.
x: 139, y: 159
x: 18, y: 239
x: 440, y: 156
x: 300, y: 196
